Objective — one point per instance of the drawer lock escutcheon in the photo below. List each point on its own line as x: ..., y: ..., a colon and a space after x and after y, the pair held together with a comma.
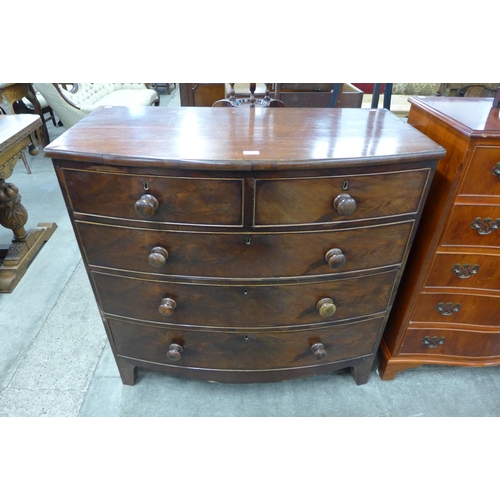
x: 433, y: 342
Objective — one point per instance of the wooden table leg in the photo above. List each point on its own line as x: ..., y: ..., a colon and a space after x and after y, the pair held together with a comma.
x: 25, y: 244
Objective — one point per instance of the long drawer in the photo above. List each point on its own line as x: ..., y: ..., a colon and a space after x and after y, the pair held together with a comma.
x: 180, y: 200
x: 483, y: 175
x: 451, y: 342
x: 474, y: 225
x: 236, y: 306
x: 249, y: 255
x: 311, y: 200
x: 244, y: 351
x: 458, y: 309
x: 467, y: 270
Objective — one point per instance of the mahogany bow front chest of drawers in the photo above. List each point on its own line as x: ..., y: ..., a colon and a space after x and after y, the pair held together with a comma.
x: 244, y: 245
x: 447, y: 310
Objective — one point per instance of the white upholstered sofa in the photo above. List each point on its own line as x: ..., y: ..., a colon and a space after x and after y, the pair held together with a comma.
x: 72, y: 105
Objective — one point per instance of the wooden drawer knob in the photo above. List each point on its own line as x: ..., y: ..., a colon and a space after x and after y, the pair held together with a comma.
x: 146, y: 205
x: 167, y: 306
x: 326, y: 307
x: 496, y: 170
x: 345, y: 204
x: 335, y: 258
x: 318, y: 351
x: 174, y: 352
x: 158, y: 257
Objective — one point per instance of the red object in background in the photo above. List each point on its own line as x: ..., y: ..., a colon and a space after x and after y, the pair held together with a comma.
x: 367, y: 88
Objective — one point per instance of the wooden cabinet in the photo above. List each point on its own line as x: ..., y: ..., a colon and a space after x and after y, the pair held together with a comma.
x: 244, y: 245
x: 447, y: 310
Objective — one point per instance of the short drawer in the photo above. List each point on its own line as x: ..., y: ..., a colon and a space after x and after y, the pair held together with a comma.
x: 483, y: 174
x: 451, y: 342
x: 180, y: 200
x: 249, y: 255
x: 474, y: 225
x: 244, y: 351
x: 466, y: 270
x: 311, y: 200
x: 458, y: 309
x: 252, y: 306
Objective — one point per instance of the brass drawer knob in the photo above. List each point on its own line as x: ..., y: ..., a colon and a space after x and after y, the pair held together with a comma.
x: 335, y: 258
x: 174, y: 352
x: 345, y: 204
x: 326, y: 307
x: 167, y: 306
x: 158, y: 257
x: 318, y: 350
x: 146, y: 205
x: 496, y: 170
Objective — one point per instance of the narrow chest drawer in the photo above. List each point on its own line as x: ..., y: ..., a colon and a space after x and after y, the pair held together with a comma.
x: 244, y: 351
x: 474, y: 225
x: 178, y: 200
x: 252, y: 306
x: 244, y: 255
x: 458, y: 309
x: 466, y: 271
x: 483, y: 174
x: 313, y: 200
x: 451, y: 342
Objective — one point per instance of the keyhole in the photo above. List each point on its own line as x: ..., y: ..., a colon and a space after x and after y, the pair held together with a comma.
x: 146, y: 186
x: 246, y: 337
x: 248, y: 240
x: 245, y: 291
x: 345, y: 186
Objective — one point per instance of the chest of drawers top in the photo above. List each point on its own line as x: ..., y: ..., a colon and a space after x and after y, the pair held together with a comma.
x: 241, y: 139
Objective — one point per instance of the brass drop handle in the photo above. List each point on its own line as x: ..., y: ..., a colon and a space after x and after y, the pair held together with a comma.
x: 326, y: 307
x: 335, y: 258
x: 496, y: 170
x: 167, y: 306
x: 345, y: 204
x: 146, y: 205
x: 447, y: 309
x: 158, y: 257
x: 174, y: 352
x: 318, y: 351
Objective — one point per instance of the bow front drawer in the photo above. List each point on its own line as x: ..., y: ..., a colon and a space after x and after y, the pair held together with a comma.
x: 159, y: 199
x: 336, y: 199
x: 238, y: 306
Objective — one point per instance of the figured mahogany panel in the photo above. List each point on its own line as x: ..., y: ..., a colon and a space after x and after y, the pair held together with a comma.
x: 243, y: 255
x: 450, y: 342
x: 244, y: 351
x: 467, y: 270
x: 311, y: 201
x: 180, y: 200
x: 457, y: 309
x: 473, y: 225
x: 249, y: 306
x: 483, y: 175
